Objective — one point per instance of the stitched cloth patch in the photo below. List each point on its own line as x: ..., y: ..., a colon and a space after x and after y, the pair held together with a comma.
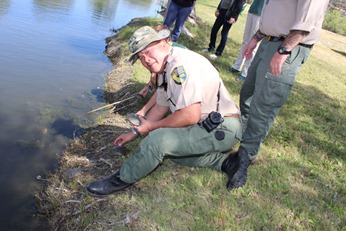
x: 178, y: 75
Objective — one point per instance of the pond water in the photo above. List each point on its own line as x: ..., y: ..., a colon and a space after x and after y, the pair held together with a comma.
x: 52, y: 71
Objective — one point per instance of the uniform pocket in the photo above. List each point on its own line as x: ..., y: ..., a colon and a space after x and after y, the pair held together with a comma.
x: 233, y: 133
x: 290, y: 67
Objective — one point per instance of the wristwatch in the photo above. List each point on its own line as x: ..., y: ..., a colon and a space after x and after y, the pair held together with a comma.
x: 282, y: 51
x: 134, y: 131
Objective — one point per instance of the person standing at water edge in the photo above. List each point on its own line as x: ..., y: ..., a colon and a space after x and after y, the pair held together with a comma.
x: 251, y: 27
x: 178, y: 11
x: 288, y: 30
x: 203, y: 122
x: 226, y: 14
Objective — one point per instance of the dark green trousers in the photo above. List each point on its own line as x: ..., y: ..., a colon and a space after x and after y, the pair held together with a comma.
x: 189, y: 146
x: 262, y: 94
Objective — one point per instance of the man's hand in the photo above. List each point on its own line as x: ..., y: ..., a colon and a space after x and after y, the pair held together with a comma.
x: 217, y: 13
x: 248, y: 50
x: 231, y: 20
x: 145, y: 127
x: 290, y: 42
x: 145, y: 90
x: 124, y: 138
x: 276, y: 63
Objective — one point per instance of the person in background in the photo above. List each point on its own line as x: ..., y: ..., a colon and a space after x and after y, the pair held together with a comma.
x: 226, y: 15
x: 251, y: 27
x: 288, y: 30
x: 178, y: 11
x: 194, y: 121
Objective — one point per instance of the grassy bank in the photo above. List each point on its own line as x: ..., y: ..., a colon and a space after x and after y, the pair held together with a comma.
x: 298, y: 182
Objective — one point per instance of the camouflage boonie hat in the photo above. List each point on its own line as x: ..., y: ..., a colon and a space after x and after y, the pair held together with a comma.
x: 141, y: 38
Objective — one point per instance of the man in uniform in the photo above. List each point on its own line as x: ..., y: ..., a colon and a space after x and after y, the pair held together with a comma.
x: 203, y: 122
x: 288, y: 30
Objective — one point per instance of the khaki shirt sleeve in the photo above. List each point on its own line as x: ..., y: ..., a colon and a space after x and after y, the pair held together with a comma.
x: 185, y: 88
x: 279, y: 17
x: 307, y: 16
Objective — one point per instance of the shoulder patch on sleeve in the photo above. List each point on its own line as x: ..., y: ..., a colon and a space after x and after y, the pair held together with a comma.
x: 178, y: 75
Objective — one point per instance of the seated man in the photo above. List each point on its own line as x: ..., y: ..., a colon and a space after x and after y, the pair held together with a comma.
x: 202, y: 125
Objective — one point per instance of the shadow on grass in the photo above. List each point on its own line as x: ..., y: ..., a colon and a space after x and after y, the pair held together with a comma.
x: 292, y: 195
x: 310, y: 118
x: 340, y: 52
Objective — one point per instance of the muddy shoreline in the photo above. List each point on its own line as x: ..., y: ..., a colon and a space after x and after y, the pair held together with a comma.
x: 92, y: 155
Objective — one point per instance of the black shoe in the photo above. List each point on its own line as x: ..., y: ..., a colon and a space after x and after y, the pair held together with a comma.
x: 229, y: 165
x: 108, y: 185
x: 239, y: 171
x: 217, y: 53
x: 232, y: 70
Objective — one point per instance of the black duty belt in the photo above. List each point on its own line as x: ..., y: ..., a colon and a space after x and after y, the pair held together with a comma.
x: 232, y: 116
x: 276, y: 39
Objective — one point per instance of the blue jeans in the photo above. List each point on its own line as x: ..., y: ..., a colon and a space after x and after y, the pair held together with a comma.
x: 219, y: 22
x: 263, y: 94
x: 179, y: 14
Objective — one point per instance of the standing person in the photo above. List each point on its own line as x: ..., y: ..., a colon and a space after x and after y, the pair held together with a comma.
x: 251, y: 27
x: 226, y: 14
x: 203, y: 123
x: 288, y: 30
x: 178, y: 11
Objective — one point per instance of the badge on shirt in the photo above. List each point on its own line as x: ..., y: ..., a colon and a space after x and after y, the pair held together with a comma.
x: 179, y: 75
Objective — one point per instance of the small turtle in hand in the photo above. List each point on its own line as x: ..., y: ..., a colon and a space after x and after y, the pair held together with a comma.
x: 134, y: 119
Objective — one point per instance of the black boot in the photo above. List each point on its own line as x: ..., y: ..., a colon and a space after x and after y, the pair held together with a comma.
x: 239, y: 170
x: 229, y: 165
x: 108, y: 185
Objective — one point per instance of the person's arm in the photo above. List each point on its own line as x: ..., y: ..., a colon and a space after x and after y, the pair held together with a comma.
x: 155, y: 113
x: 256, y: 38
x: 234, y: 11
x: 146, y: 108
x: 217, y: 11
x: 308, y: 18
x: 181, y: 118
x: 145, y: 89
x: 124, y: 138
x: 290, y: 42
x: 149, y: 85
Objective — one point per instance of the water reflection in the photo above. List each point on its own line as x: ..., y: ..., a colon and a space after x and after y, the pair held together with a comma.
x: 104, y: 10
x: 4, y: 6
x: 52, y: 6
x: 52, y: 72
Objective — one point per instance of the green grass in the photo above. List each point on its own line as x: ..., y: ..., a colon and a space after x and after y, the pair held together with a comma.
x: 298, y: 182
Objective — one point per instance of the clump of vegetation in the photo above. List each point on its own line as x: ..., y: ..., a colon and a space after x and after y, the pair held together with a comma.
x: 335, y: 22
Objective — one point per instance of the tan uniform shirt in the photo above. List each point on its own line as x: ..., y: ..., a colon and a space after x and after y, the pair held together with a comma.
x: 191, y: 78
x: 280, y: 16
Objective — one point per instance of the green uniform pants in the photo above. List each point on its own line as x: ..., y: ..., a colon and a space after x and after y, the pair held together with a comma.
x: 189, y: 146
x: 262, y: 94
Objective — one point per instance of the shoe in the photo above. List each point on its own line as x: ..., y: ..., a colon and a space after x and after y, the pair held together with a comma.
x: 207, y: 50
x: 232, y: 70
x: 229, y: 165
x: 239, y: 171
x: 240, y: 78
x: 213, y: 56
x: 108, y: 185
